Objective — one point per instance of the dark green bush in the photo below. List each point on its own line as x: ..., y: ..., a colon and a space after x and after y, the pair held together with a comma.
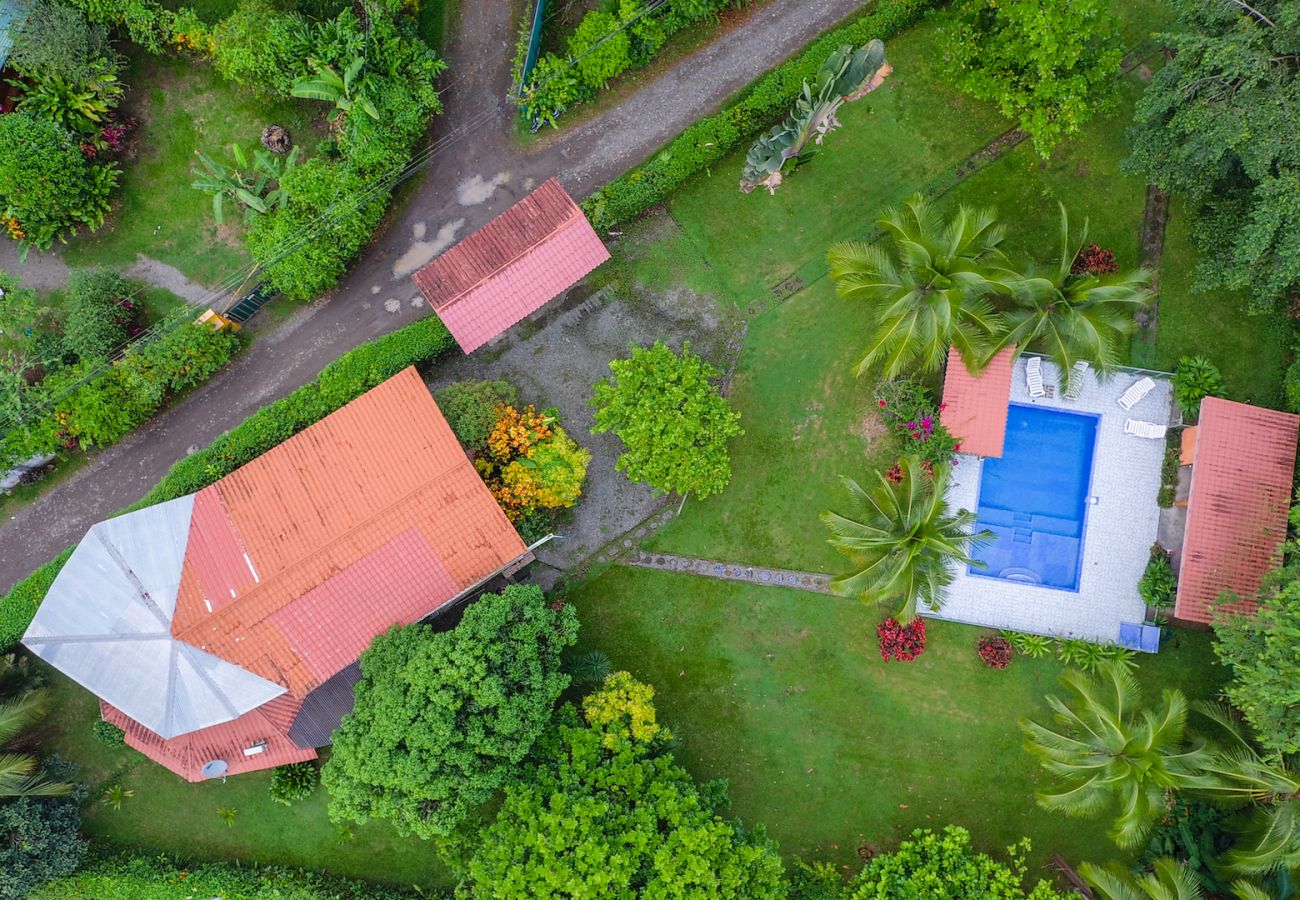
x: 262, y: 47
x: 109, y: 734
x: 40, y: 843
x: 712, y: 138
x: 602, y: 50
x: 1291, y: 384
x: 99, y: 312
x: 294, y: 781
x: 1195, y: 379
x: 470, y: 408
x: 1157, y: 585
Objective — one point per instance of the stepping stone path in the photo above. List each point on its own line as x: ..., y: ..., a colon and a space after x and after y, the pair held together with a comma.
x: 813, y: 582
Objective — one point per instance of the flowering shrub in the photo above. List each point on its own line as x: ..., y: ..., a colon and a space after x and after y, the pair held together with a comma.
x: 1094, y: 260
x: 901, y: 642
x: 516, y: 432
x: 909, y: 412
x: 531, y: 464
x: 995, y: 651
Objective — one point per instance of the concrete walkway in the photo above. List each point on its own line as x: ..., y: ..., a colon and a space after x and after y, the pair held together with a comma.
x: 813, y: 582
x: 468, y: 184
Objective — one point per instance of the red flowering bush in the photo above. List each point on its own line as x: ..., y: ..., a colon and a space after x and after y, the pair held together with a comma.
x: 902, y: 642
x: 909, y: 412
x: 1094, y: 260
x: 996, y: 652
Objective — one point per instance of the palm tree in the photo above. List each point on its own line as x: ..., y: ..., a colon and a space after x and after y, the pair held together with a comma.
x: 1070, y: 317
x: 1168, y: 881
x: 1103, y: 747
x: 1269, y: 838
x: 934, y: 294
x: 20, y: 774
x: 903, y: 537
x: 347, y: 92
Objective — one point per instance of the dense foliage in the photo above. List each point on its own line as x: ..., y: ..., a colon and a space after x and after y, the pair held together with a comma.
x: 906, y: 405
x: 713, y: 137
x: 1263, y: 652
x: 1217, y: 125
x: 944, y: 865
x: 1158, y: 584
x: 294, y: 781
x: 48, y: 188
x: 39, y: 842
x: 472, y: 409
x: 343, y: 380
x: 610, y: 813
x: 1195, y: 379
x: 673, y: 421
x: 1050, y: 67
x: 109, y: 734
x: 100, y: 311
x: 531, y: 466
x: 444, y: 719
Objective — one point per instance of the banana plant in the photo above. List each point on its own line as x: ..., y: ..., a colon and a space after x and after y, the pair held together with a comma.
x: 253, y: 181
x: 347, y: 92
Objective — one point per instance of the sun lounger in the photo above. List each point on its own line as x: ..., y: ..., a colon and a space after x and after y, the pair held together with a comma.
x: 1074, y: 381
x: 1034, y: 377
x: 1144, y: 429
x: 1134, y: 394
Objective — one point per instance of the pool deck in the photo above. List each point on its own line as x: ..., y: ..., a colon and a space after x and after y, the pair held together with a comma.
x: 1119, y: 529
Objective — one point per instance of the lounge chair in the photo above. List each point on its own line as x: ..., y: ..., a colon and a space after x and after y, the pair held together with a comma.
x: 1134, y: 394
x: 1074, y: 381
x: 1034, y: 377
x: 1144, y: 429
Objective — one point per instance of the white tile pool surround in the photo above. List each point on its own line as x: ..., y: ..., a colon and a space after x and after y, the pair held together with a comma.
x: 1119, y: 527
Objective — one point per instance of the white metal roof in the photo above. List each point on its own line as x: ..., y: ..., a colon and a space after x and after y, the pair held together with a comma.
x: 106, y: 624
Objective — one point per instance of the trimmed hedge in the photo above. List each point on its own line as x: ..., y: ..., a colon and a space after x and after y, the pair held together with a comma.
x: 343, y: 380
x: 130, y: 877
x: 712, y: 138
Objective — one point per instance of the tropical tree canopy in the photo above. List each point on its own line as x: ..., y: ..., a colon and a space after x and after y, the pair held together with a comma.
x: 1105, y: 748
x: 1074, y: 317
x: 1168, y: 880
x: 931, y: 292
x: 22, y: 704
x: 903, y: 538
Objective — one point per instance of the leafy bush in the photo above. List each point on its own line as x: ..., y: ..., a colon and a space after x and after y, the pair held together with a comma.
x: 109, y: 734
x: 41, y: 843
x: 444, y: 719
x: 48, y: 188
x: 712, y: 138
x: 99, y: 313
x: 54, y: 39
x: 995, y: 651
x: 472, y: 409
x: 1034, y: 646
x: 1169, y: 466
x: 1095, y: 260
x: 1050, y: 67
x: 314, y: 262
x: 294, y: 781
x: 602, y: 50
x: 901, y: 642
x: 1195, y: 379
x: 1194, y: 834
x: 1157, y: 585
x: 262, y: 47
x: 81, y: 106
x: 343, y: 380
x: 906, y: 406
x: 1291, y: 385
x: 674, y: 423
x: 531, y: 463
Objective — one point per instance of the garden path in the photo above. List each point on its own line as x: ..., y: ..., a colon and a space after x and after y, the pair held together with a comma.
x: 474, y: 178
x: 813, y: 582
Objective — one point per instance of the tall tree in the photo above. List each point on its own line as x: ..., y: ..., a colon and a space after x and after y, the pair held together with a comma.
x: 903, y: 538
x: 22, y: 704
x: 1105, y: 748
x: 931, y: 293
x: 444, y: 719
x: 673, y: 421
x: 1070, y: 316
x: 1218, y: 124
x: 610, y: 813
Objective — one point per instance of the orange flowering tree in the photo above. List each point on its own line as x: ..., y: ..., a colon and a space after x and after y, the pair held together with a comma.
x: 531, y: 463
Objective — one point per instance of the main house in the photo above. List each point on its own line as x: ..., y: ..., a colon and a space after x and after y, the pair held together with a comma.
x: 221, y: 630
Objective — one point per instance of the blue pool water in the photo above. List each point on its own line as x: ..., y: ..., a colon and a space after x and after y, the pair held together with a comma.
x: 1034, y: 499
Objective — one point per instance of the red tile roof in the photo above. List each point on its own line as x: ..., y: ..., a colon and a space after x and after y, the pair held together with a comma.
x: 975, y: 406
x: 1237, y: 511
x: 371, y: 517
x: 511, y: 267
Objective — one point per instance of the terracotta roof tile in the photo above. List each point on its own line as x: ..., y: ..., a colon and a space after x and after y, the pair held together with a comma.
x: 511, y: 267
x: 1237, y: 511
x: 975, y: 406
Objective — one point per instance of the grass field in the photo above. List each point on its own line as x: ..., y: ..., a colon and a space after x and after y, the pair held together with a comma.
x: 182, y: 106
x: 784, y: 694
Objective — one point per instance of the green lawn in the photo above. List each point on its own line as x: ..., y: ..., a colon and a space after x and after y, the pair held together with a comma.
x: 784, y: 694
x: 183, y: 105
x: 168, y: 814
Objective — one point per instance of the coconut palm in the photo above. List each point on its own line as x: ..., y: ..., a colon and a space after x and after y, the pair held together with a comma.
x: 903, y: 537
x: 1073, y: 317
x: 20, y: 774
x: 932, y: 293
x: 1168, y: 881
x: 1103, y: 747
x: 1269, y: 833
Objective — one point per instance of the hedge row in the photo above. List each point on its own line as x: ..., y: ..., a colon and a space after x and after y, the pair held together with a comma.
x: 349, y: 376
x: 712, y: 138
x: 129, y: 877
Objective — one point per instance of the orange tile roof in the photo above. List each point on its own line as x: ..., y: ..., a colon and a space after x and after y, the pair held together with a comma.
x: 975, y: 406
x: 1237, y: 511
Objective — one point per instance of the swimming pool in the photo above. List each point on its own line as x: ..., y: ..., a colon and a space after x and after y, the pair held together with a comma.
x: 1035, y: 498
